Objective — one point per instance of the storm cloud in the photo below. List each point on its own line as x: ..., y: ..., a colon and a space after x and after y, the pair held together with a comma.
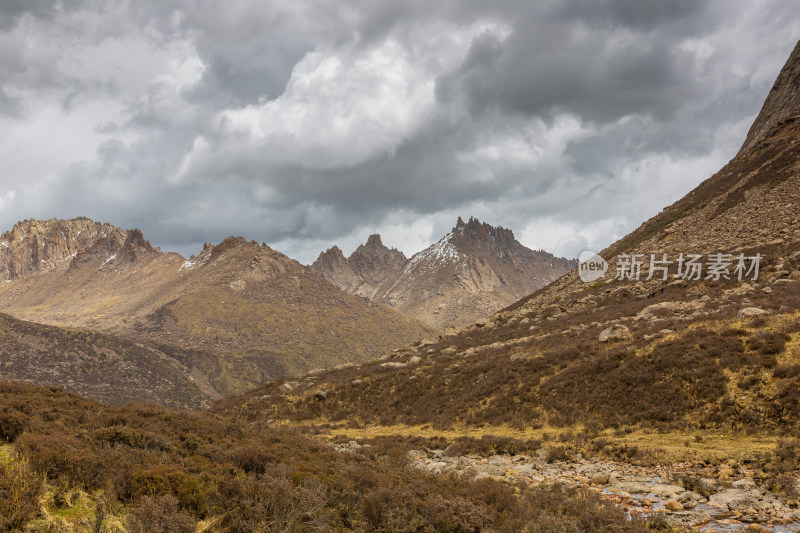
x: 304, y: 124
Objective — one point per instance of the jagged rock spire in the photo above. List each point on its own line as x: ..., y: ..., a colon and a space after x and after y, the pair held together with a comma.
x: 374, y: 241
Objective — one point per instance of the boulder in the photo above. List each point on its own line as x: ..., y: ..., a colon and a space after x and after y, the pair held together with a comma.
x: 631, y: 487
x: 651, y: 312
x: 666, y: 491
x: 748, y: 312
x: 738, y: 497
x: 617, y: 332
x: 745, y: 484
x: 689, y: 499
x: 673, y: 506
x: 289, y: 386
x: 320, y: 395
x: 393, y: 364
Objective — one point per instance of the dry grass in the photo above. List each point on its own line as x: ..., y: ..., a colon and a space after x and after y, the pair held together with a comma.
x: 662, y: 447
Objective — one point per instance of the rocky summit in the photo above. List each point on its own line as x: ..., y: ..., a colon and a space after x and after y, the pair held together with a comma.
x: 468, y: 274
x: 46, y: 245
x: 363, y: 273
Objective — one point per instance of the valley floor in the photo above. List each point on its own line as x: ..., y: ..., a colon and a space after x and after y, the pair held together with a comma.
x: 702, y: 480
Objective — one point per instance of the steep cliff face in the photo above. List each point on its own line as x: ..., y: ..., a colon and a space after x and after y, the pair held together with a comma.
x: 782, y: 102
x: 468, y: 274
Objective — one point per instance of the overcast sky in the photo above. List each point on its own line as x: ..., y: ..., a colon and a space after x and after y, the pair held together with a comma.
x: 307, y: 124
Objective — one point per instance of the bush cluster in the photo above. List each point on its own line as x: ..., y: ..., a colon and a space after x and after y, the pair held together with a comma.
x: 168, y: 470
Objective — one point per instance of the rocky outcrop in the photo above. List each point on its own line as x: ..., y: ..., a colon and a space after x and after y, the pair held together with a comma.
x: 333, y: 266
x: 374, y: 264
x: 43, y: 245
x: 783, y: 101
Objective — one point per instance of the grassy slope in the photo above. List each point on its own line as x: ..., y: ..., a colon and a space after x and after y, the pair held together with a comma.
x: 105, y: 367
x: 715, y: 371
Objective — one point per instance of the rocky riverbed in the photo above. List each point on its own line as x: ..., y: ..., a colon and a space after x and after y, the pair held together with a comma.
x: 640, y: 490
x: 712, y: 505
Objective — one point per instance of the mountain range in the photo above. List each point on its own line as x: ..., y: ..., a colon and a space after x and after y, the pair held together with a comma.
x: 467, y: 275
x: 237, y: 314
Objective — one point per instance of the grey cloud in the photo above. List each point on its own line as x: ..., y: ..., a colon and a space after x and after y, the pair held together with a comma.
x: 10, y: 106
x: 11, y: 11
x: 542, y: 71
x: 636, y: 14
x: 680, y: 73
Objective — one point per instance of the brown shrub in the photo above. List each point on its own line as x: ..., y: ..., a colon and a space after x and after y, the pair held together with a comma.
x: 164, y: 480
x: 160, y: 514
x: 276, y: 500
x: 12, y: 425
x: 64, y: 458
x: 20, y: 490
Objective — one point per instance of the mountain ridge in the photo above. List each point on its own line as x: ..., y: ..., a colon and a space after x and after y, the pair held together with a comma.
x: 468, y: 274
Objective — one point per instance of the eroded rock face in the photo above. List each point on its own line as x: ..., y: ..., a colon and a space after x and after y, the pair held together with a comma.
x: 43, y: 245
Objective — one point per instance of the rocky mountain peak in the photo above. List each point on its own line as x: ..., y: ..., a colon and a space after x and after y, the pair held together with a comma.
x: 227, y: 244
x: 334, y: 252
x: 783, y: 101
x: 330, y: 258
x: 373, y: 254
x: 369, y: 266
x: 482, y: 232
x: 42, y: 245
x: 374, y: 241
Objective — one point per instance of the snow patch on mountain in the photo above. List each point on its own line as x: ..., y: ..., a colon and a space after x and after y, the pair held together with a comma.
x: 441, y: 251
